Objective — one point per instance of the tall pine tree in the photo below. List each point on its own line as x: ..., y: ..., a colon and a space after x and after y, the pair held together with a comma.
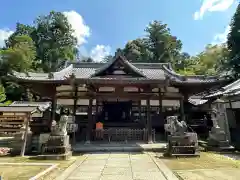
x: 233, y: 42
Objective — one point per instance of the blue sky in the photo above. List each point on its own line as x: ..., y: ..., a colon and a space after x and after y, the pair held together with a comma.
x: 102, y: 26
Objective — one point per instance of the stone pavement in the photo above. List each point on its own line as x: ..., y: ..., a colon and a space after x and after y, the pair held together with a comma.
x: 210, y: 174
x: 115, y: 166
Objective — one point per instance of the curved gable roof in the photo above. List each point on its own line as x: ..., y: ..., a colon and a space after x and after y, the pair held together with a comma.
x: 143, y: 71
x: 124, y: 62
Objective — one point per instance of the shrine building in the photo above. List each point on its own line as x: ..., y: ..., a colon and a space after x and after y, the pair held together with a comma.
x: 118, y: 93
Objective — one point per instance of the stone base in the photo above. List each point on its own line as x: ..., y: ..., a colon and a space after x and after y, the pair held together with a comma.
x: 65, y: 156
x: 184, y: 145
x: 208, y: 146
x: 57, y: 149
x: 223, y: 149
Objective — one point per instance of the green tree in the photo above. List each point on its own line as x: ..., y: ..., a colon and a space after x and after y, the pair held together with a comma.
x: 161, y: 43
x: 20, y: 55
x: 137, y: 51
x: 233, y: 42
x: 21, y: 29
x: 158, y: 45
x: 211, y: 61
x: 54, y: 40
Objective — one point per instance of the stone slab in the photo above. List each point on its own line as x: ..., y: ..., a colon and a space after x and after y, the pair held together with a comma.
x: 210, y: 174
x: 116, y: 177
x: 117, y: 171
x: 148, y: 175
x: 84, y: 176
x: 90, y: 168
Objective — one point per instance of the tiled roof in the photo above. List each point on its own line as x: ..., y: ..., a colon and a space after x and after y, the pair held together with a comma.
x: 17, y: 109
x: 56, y: 76
x: 148, y: 71
x: 42, y: 106
x: 229, y: 90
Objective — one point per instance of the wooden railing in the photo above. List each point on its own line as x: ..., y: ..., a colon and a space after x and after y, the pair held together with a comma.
x: 122, y: 134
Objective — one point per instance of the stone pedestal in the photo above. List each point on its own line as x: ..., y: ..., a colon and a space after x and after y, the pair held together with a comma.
x: 184, y: 145
x: 217, y: 140
x: 57, y: 148
x: 219, y: 134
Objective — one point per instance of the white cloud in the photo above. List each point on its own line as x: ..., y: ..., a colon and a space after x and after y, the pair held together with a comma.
x: 99, y: 52
x: 221, y: 37
x: 4, y: 34
x: 81, y: 30
x: 212, y: 6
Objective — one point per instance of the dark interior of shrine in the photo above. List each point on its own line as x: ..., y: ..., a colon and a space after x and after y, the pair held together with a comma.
x: 117, y: 112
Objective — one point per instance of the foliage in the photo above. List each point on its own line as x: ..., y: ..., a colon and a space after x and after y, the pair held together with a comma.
x: 52, y: 37
x: 161, y: 43
x: 21, y: 30
x: 2, y: 94
x: 43, y: 47
x: 233, y: 42
x: 3, y: 97
x: 158, y: 45
x: 54, y: 40
x: 20, y: 55
x: 211, y: 61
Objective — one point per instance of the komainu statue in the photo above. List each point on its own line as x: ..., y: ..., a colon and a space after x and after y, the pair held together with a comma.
x: 180, y: 141
x: 58, y: 146
x: 60, y: 128
x: 175, y: 127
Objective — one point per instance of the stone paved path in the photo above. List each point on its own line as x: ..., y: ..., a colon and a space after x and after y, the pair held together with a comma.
x: 116, y: 166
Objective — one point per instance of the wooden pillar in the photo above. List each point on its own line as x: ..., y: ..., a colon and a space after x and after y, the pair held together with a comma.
x: 160, y: 100
x: 90, y: 121
x: 53, y: 107
x: 75, y: 99
x: 182, y: 113
x: 27, y: 119
x: 139, y: 108
x: 149, y: 122
x: 96, y: 112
